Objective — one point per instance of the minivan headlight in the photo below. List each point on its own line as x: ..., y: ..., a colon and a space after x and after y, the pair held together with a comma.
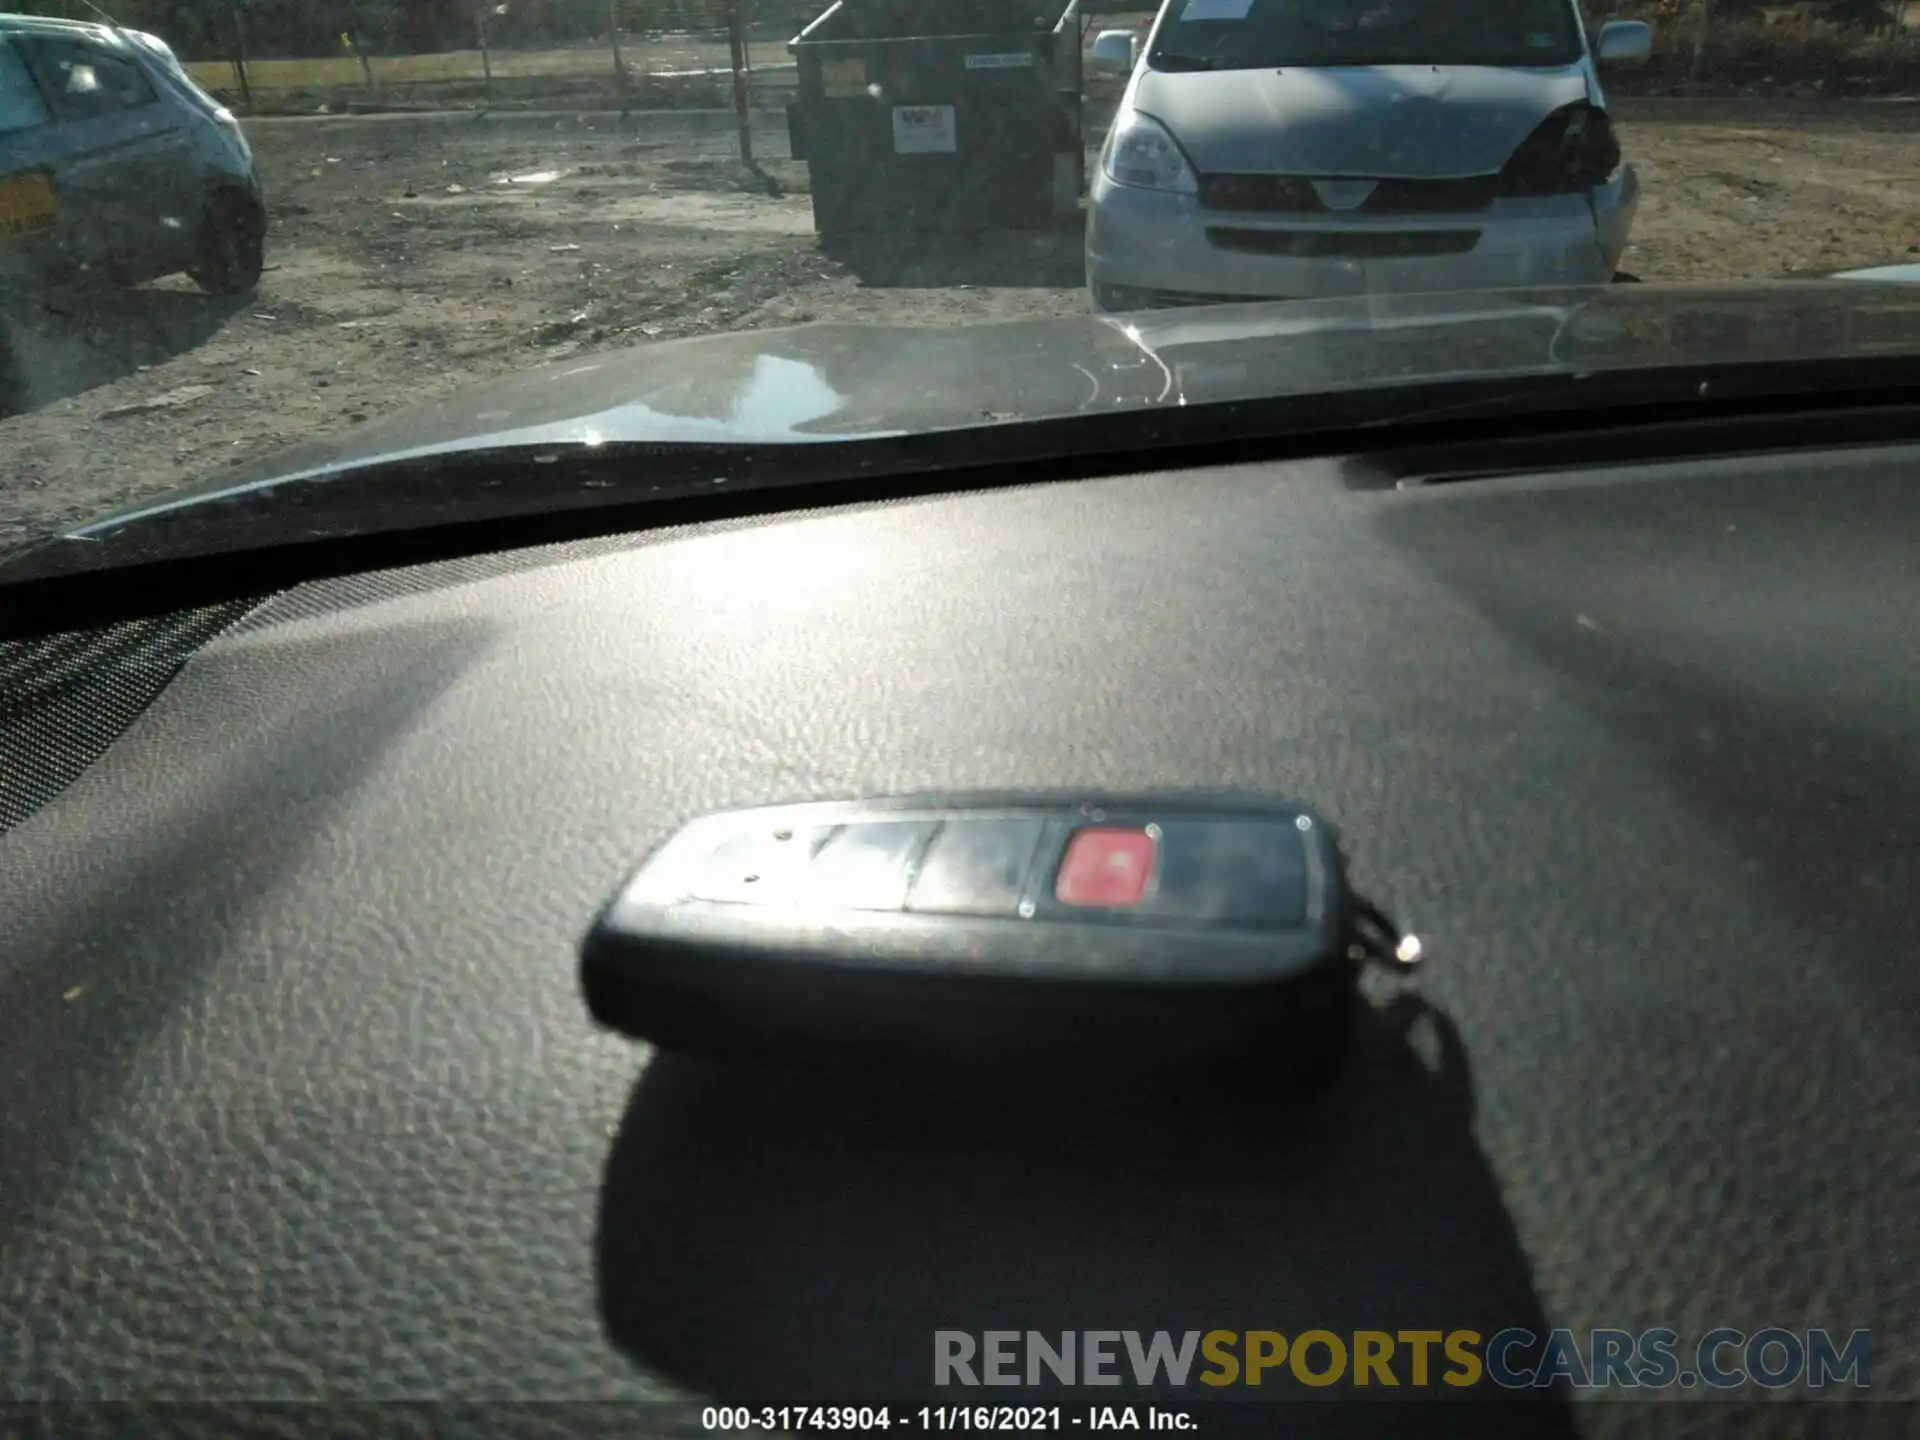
x: 1142, y: 152
x: 1570, y: 152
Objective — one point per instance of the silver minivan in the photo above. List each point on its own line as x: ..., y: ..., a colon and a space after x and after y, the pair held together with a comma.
x: 1293, y: 149
x: 114, y: 161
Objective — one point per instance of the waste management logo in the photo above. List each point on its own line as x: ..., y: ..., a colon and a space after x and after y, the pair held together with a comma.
x: 1405, y: 1360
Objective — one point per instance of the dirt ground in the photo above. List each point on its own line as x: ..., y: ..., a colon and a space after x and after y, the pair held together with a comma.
x: 409, y: 257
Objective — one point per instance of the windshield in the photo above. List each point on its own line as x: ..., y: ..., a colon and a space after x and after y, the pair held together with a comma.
x: 1232, y: 34
x: 246, y: 242
x: 445, y: 445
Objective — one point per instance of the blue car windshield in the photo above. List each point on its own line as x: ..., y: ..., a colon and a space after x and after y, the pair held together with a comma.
x: 1261, y: 34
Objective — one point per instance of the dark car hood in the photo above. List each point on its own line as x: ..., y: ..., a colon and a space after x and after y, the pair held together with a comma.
x: 827, y: 383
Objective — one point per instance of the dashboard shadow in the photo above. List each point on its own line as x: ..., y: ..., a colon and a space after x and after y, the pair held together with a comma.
x: 245, y: 810
x: 1746, y: 634
x: 765, y: 1237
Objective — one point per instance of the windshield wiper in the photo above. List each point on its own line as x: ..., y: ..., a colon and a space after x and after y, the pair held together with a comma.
x: 1173, y: 60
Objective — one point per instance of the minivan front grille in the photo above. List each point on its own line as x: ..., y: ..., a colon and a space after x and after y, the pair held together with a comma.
x: 1295, y: 195
x: 1345, y: 244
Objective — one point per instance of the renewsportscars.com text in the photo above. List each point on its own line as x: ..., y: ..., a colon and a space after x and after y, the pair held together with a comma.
x: 1511, y: 1359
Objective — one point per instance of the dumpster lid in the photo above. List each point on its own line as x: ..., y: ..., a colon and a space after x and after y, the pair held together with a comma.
x: 932, y: 19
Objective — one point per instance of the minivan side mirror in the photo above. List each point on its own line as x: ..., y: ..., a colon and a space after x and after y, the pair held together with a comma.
x: 1624, y: 42
x: 1116, y: 51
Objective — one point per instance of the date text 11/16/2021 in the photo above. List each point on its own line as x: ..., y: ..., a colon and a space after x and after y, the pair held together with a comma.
x: 939, y: 1419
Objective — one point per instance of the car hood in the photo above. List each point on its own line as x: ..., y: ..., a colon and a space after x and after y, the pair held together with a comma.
x: 796, y: 395
x: 1902, y: 274
x: 1388, y: 122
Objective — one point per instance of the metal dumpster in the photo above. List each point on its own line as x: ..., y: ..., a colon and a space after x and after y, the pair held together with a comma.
x: 940, y: 115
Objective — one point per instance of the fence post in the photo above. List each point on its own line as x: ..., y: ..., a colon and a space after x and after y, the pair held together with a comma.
x: 352, y: 39
x: 240, y: 55
x: 738, y: 46
x: 486, y: 55
x: 619, y: 62
x: 1700, y: 39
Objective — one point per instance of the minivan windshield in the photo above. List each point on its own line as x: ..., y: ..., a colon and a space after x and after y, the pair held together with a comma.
x: 1278, y: 34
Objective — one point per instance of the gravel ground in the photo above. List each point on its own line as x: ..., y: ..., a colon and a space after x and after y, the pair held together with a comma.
x: 405, y: 262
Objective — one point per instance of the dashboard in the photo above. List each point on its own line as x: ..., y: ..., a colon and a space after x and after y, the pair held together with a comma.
x: 303, y: 1104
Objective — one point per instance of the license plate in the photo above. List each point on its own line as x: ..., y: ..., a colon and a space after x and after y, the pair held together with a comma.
x: 924, y: 130
x: 28, y: 206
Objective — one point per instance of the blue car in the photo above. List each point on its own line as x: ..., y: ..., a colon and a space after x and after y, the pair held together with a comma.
x: 113, y: 161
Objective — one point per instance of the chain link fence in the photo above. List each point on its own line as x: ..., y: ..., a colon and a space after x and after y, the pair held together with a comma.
x: 333, y: 56
x: 319, y: 56
x: 524, y: 54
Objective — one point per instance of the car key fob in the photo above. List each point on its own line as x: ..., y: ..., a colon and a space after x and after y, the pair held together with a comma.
x: 998, y: 927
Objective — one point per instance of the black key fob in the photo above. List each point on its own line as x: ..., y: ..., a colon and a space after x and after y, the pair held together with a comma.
x: 1003, y: 927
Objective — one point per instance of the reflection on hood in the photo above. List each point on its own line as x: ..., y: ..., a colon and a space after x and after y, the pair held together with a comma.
x: 777, y: 398
x: 1907, y: 274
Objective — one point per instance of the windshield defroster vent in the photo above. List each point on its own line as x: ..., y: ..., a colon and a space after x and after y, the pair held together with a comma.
x: 64, y: 699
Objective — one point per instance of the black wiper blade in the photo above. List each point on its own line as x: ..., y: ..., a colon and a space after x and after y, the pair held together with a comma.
x: 1173, y: 60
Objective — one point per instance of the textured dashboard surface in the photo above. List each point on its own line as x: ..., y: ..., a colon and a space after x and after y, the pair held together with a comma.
x: 301, y: 1101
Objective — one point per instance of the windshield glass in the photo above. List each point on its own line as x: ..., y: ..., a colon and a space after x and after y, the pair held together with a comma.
x: 1231, y: 34
x: 242, y: 242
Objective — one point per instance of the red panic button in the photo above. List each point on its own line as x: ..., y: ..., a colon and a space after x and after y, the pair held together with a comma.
x: 1108, y: 868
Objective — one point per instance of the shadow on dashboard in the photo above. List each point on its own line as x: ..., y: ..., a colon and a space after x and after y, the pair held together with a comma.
x: 134, y: 901
x: 762, y: 1237
x: 1750, y: 636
